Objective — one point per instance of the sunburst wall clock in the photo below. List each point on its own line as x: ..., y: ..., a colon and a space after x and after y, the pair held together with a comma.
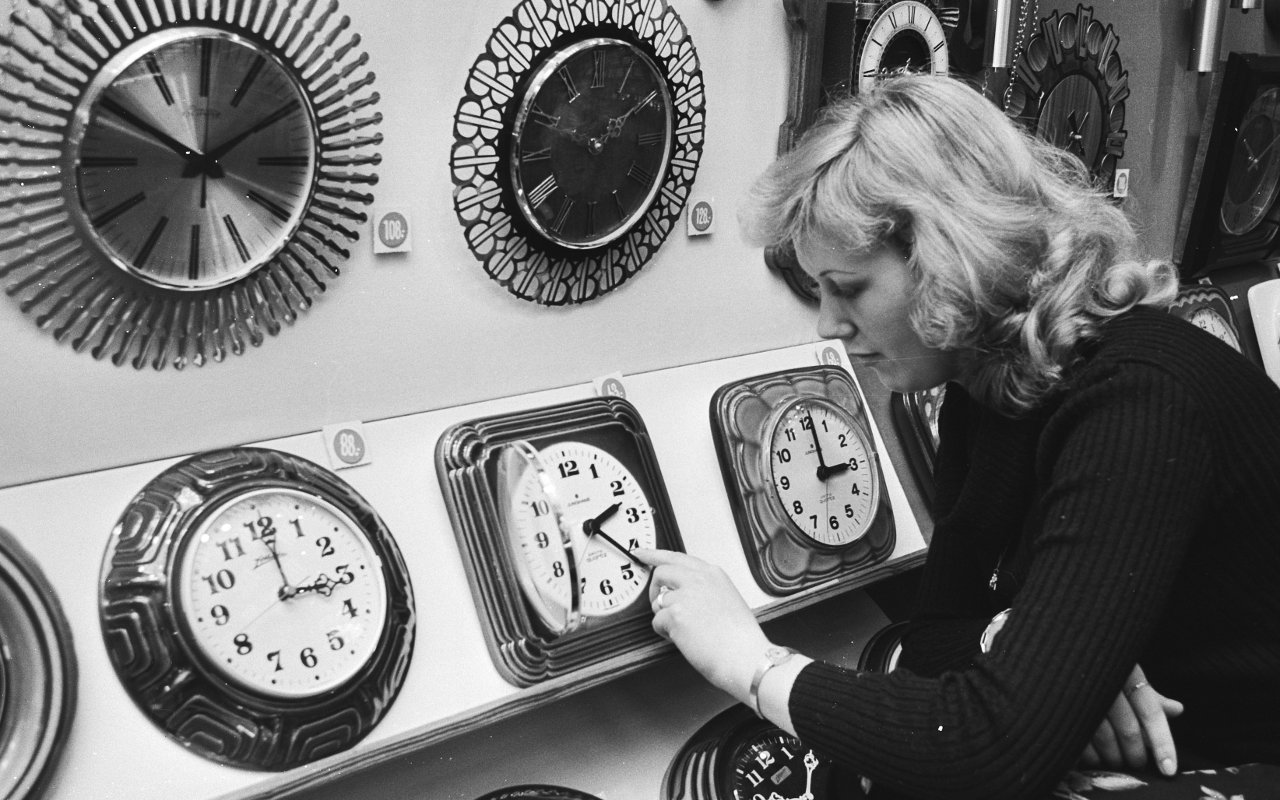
x: 576, y: 142
x: 183, y: 177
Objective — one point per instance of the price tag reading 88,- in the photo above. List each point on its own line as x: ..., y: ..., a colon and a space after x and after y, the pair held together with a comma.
x: 346, y: 445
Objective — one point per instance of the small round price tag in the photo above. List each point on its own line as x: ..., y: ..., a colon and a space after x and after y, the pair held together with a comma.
x: 346, y: 445
x: 391, y: 231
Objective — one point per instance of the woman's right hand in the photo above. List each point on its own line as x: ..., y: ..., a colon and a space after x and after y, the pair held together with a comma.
x: 1136, y: 727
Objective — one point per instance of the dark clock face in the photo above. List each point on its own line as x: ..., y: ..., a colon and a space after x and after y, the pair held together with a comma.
x: 197, y: 159
x: 1254, y: 177
x: 774, y: 764
x: 590, y: 143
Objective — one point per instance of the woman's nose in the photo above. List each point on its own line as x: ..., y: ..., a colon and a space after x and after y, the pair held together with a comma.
x: 832, y: 323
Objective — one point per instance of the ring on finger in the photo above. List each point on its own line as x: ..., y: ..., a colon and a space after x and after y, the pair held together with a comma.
x: 660, y: 601
x: 1129, y: 690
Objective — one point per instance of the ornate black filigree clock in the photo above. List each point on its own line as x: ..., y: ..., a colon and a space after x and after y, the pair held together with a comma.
x: 1070, y: 87
x: 184, y: 181
x: 575, y: 144
x: 546, y: 505
x: 256, y: 608
x: 803, y: 476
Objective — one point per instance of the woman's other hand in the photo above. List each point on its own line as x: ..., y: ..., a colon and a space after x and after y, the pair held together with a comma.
x: 1136, y: 727
x: 699, y: 609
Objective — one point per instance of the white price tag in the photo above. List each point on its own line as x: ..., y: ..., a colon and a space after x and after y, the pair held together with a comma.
x: 346, y: 445
x: 610, y: 386
x: 391, y: 230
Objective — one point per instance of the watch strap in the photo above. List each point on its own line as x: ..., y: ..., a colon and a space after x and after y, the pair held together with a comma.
x: 774, y: 656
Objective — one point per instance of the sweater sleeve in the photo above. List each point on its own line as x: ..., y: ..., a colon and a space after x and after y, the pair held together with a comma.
x: 1123, y: 471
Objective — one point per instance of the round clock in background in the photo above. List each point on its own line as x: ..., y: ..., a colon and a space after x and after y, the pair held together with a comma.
x: 256, y: 608
x: 576, y: 142
x: 803, y: 476
x: 1208, y: 308
x: 738, y: 756
x: 38, y: 674
x: 546, y: 505
x: 184, y: 184
x: 1253, y: 179
x: 903, y: 36
x: 1069, y: 87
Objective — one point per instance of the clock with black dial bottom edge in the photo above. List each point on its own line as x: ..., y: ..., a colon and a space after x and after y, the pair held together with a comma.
x: 1069, y: 87
x: 38, y: 674
x: 256, y: 608
x: 738, y: 756
x: 186, y: 181
x: 538, y: 791
x: 546, y: 549
x: 803, y: 476
x: 1231, y: 216
x: 576, y: 143
x: 915, y: 419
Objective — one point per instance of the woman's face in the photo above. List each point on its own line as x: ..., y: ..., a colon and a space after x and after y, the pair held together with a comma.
x: 866, y: 304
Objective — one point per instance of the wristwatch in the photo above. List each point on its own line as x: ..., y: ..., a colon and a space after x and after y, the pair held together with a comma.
x: 774, y: 656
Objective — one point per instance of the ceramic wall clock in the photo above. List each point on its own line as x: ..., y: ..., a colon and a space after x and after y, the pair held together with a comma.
x: 915, y: 418
x: 1231, y: 216
x: 256, y: 608
x: 185, y: 180
x: 803, y: 476
x: 38, y: 674
x: 1069, y: 86
x: 1208, y: 308
x: 737, y: 756
x: 546, y: 505
x: 576, y: 142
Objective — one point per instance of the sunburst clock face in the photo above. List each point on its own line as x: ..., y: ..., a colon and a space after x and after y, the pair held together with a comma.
x: 182, y: 183
x: 575, y: 144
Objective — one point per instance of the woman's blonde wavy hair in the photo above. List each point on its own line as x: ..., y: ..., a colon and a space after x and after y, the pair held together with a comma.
x: 1018, y: 258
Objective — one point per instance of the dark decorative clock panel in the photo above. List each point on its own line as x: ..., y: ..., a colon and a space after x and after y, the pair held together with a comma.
x: 576, y: 143
x: 182, y: 180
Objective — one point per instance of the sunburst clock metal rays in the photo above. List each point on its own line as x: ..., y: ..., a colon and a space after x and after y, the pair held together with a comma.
x: 182, y: 177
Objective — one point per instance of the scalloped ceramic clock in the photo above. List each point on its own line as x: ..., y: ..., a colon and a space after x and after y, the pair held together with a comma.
x: 184, y: 182
x: 576, y: 143
x: 546, y: 534
x: 256, y: 608
x: 803, y: 476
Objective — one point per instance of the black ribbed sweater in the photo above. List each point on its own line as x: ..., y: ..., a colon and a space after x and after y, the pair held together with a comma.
x: 1134, y: 518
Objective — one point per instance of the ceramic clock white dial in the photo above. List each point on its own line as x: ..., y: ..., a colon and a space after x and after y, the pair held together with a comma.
x: 283, y: 593
x: 822, y: 472
x: 606, y: 512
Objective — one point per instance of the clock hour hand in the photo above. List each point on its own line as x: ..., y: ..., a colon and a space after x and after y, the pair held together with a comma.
x: 188, y: 154
x: 591, y: 527
x: 810, y: 764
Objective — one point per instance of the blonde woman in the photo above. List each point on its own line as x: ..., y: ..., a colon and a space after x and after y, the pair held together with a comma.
x: 1108, y: 486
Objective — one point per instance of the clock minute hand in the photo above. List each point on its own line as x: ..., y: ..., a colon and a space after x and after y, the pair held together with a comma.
x: 187, y: 153
x: 614, y: 126
x: 262, y: 124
